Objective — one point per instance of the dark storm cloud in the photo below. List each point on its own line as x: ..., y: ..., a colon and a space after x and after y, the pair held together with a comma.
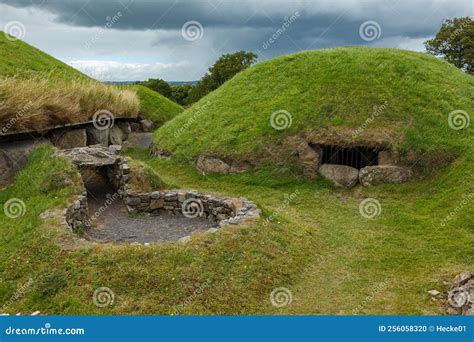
x: 150, y: 31
x: 403, y: 18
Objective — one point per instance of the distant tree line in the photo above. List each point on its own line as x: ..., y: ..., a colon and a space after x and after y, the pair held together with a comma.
x: 226, y: 67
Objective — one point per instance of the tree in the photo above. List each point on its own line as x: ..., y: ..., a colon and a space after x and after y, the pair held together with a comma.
x: 180, y: 93
x: 226, y: 67
x: 159, y: 85
x: 455, y: 43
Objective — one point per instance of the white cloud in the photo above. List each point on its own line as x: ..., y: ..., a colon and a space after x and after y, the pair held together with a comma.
x: 118, y: 71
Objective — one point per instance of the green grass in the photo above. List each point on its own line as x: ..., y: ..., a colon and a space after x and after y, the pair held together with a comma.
x: 330, y: 89
x: 331, y: 258
x: 155, y: 106
x: 19, y: 59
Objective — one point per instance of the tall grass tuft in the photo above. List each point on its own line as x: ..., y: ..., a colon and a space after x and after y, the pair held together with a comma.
x: 40, y: 103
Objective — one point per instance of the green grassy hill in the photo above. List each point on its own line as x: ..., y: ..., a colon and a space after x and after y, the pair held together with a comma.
x: 19, y: 59
x: 334, y: 89
x: 155, y: 106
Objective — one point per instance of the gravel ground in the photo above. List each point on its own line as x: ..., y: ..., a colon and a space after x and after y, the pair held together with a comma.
x: 115, y: 225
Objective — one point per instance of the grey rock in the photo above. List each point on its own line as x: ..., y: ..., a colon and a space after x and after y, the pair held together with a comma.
x: 212, y: 165
x: 155, y: 195
x: 139, y: 140
x: 116, y: 135
x: 381, y: 174
x: 97, y: 136
x: 65, y: 139
x: 340, y: 175
x: 147, y: 125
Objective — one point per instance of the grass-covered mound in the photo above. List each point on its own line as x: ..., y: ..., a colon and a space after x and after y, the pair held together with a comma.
x: 155, y: 106
x: 38, y: 91
x: 335, y: 88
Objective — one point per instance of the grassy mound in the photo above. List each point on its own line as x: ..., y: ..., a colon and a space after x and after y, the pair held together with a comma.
x: 38, y: 91
x: 334, y: 89
x: 155, y: 106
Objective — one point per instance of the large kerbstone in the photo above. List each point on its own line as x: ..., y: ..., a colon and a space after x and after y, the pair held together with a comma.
x: 140, y: 140
x: 116, y: 135
x: 69, y: 138
x: 212, y: 165
x: 340, y: 175
x: 309, y: 157
x: 97, y: 136
x: 13, y: 157
x: 380, y: 174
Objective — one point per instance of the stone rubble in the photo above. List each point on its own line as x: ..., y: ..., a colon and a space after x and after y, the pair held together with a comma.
x: 461, y: 295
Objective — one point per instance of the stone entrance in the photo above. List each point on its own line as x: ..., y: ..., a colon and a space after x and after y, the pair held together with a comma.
x: 357, y: 157
x: 112, y: 210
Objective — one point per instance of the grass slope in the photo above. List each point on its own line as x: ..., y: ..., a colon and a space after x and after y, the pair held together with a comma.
x: 155, y: 106
x: 333, y: 260
x: 19, y: 59
x: 38, y: 91
x: 333, y: 88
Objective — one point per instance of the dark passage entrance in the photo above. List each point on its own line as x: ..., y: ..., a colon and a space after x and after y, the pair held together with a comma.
x: 357, y: 157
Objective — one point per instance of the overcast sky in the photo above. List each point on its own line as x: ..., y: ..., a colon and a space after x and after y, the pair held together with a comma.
x: 177, y: 40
